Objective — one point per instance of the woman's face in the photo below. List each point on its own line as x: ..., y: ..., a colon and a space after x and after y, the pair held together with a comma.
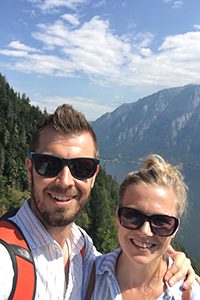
x: 141, y: 245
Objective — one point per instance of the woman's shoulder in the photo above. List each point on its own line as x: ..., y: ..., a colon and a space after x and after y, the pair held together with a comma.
x: 107, y: 262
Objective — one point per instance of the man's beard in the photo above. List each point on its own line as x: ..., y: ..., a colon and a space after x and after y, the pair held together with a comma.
x: 56, y: 219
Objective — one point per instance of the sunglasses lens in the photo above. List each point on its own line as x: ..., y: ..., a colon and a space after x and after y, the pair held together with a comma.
x: 130, y: 218
x: 47, y: 165
x: 83, y: 168
x: 164, y: 225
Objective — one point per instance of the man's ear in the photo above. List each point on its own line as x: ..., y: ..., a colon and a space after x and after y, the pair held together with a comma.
x: 28, y: 164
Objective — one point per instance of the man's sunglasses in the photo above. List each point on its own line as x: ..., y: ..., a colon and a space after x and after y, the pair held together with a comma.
x: 50, y: 166
x: 162, y: 225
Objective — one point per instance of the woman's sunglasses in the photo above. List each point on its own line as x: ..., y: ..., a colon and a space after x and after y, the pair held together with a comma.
x: 162, y: 225
x: 50, y: 166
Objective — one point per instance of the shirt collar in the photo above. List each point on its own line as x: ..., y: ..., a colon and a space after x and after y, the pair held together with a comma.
x: 75, y: 240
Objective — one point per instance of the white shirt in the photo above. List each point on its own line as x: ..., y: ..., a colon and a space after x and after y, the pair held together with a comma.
x: 48, y: 258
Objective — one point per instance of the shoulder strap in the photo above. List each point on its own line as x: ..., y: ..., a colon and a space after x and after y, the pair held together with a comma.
x: 186, y: 294
x: 91, y: 283
x: 24, y: 269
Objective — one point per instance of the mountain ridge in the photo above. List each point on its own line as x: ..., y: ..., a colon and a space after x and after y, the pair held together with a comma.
x: 166, y: 122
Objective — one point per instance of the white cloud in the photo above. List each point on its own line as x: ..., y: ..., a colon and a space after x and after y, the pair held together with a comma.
x: 13, y: 53
x: 92, y: 48
x: 72, y: 19
x: 197, y: 26
x: 146, y: 52
x: 175, y: 3
x: 139, y: 40
x: 48, y: 5
x: 19, y: 46
x: 99, y: 3
x: 182, y: 42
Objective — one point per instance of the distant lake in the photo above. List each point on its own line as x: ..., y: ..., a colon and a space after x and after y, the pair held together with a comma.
x: 189, y: 234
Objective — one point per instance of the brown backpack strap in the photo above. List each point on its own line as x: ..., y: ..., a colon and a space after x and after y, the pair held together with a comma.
x: 186, y: 294
x: 91, y: 283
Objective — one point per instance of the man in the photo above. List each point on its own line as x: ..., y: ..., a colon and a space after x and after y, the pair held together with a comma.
x: 61, y: 167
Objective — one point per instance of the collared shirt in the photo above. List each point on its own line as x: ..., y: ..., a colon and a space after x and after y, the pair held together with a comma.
x: 48, y: 257
x: 107, y: 287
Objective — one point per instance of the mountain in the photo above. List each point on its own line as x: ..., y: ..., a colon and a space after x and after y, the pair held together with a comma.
x: 167, y: 122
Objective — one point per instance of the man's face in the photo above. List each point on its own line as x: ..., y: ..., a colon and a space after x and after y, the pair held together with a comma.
x: 58, y: 200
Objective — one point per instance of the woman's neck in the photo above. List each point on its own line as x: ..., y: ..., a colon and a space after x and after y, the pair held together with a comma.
x: 140, y: 280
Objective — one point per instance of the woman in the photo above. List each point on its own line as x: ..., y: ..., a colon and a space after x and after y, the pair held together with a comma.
x: 151, y: 203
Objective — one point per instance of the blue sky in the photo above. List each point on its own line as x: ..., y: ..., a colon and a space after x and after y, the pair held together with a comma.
x: 98, y: 54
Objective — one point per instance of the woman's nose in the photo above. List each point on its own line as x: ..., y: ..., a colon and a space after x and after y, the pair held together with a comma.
x: 146, y: 229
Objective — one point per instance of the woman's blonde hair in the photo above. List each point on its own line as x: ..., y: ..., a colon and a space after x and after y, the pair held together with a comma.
x: 156, y: 170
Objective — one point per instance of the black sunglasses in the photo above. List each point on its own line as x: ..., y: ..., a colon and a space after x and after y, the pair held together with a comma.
x: 162, y: 225
x: 50, y: 166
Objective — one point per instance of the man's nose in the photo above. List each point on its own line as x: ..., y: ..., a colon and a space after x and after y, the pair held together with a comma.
x: 65, y: 177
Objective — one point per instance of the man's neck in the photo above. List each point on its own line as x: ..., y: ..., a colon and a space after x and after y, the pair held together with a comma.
x: 60, y: 234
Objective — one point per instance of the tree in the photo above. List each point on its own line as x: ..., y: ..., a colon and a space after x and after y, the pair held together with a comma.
x: 101, y: 213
